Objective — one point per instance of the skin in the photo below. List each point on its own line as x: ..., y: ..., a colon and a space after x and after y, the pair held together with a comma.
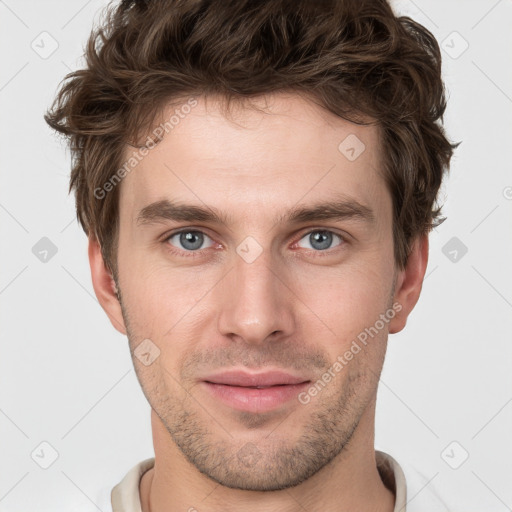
x: 295, y: 307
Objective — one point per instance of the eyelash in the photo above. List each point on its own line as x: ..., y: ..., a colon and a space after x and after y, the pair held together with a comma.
x: 198, y: 253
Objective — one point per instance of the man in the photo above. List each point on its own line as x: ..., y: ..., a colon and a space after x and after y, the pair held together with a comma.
x: 257, y: 180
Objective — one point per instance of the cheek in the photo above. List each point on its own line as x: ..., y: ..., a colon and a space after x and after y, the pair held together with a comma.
x: 348, y: 300
x: 168, y: 305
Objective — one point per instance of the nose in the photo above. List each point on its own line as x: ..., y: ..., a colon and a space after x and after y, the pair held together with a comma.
x: 255, y: 300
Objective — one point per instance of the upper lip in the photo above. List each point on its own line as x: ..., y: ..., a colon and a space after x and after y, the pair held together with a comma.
x: 242, y: 378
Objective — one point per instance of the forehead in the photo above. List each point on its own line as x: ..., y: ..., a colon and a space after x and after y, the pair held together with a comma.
x: 280, y: 150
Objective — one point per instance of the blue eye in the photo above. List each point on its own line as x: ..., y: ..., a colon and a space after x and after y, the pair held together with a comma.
x: 320, y: 239
x: 189, y: 240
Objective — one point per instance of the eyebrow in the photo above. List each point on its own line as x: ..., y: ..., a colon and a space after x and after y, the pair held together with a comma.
x: 342, y: 209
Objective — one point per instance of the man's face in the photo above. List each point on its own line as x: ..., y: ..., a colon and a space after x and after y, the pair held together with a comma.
x: 259, y: 291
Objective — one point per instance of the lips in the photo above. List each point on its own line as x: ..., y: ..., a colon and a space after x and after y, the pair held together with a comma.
x: 255, y: 392
x: 255, y: 380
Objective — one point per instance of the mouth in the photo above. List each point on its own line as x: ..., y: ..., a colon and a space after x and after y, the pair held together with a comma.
x: 250, y: 387
x: 261, y: 392
x: 243, y: 378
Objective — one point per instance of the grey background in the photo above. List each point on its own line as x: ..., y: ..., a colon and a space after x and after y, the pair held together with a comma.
x: 66, y: 375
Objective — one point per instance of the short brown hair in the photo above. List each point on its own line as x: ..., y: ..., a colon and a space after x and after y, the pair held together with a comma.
x: 355, y: 57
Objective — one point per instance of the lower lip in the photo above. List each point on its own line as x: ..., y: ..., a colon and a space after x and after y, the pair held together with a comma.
x: 253, y: 399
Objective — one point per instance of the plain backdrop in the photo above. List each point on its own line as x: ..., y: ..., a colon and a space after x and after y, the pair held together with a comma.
x: 67, y: 379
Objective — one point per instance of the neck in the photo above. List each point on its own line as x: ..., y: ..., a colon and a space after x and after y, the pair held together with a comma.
x: 349, y: 482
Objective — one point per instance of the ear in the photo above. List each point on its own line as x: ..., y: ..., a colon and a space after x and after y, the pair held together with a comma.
x: 104, y: 286
x: 409, y: 282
